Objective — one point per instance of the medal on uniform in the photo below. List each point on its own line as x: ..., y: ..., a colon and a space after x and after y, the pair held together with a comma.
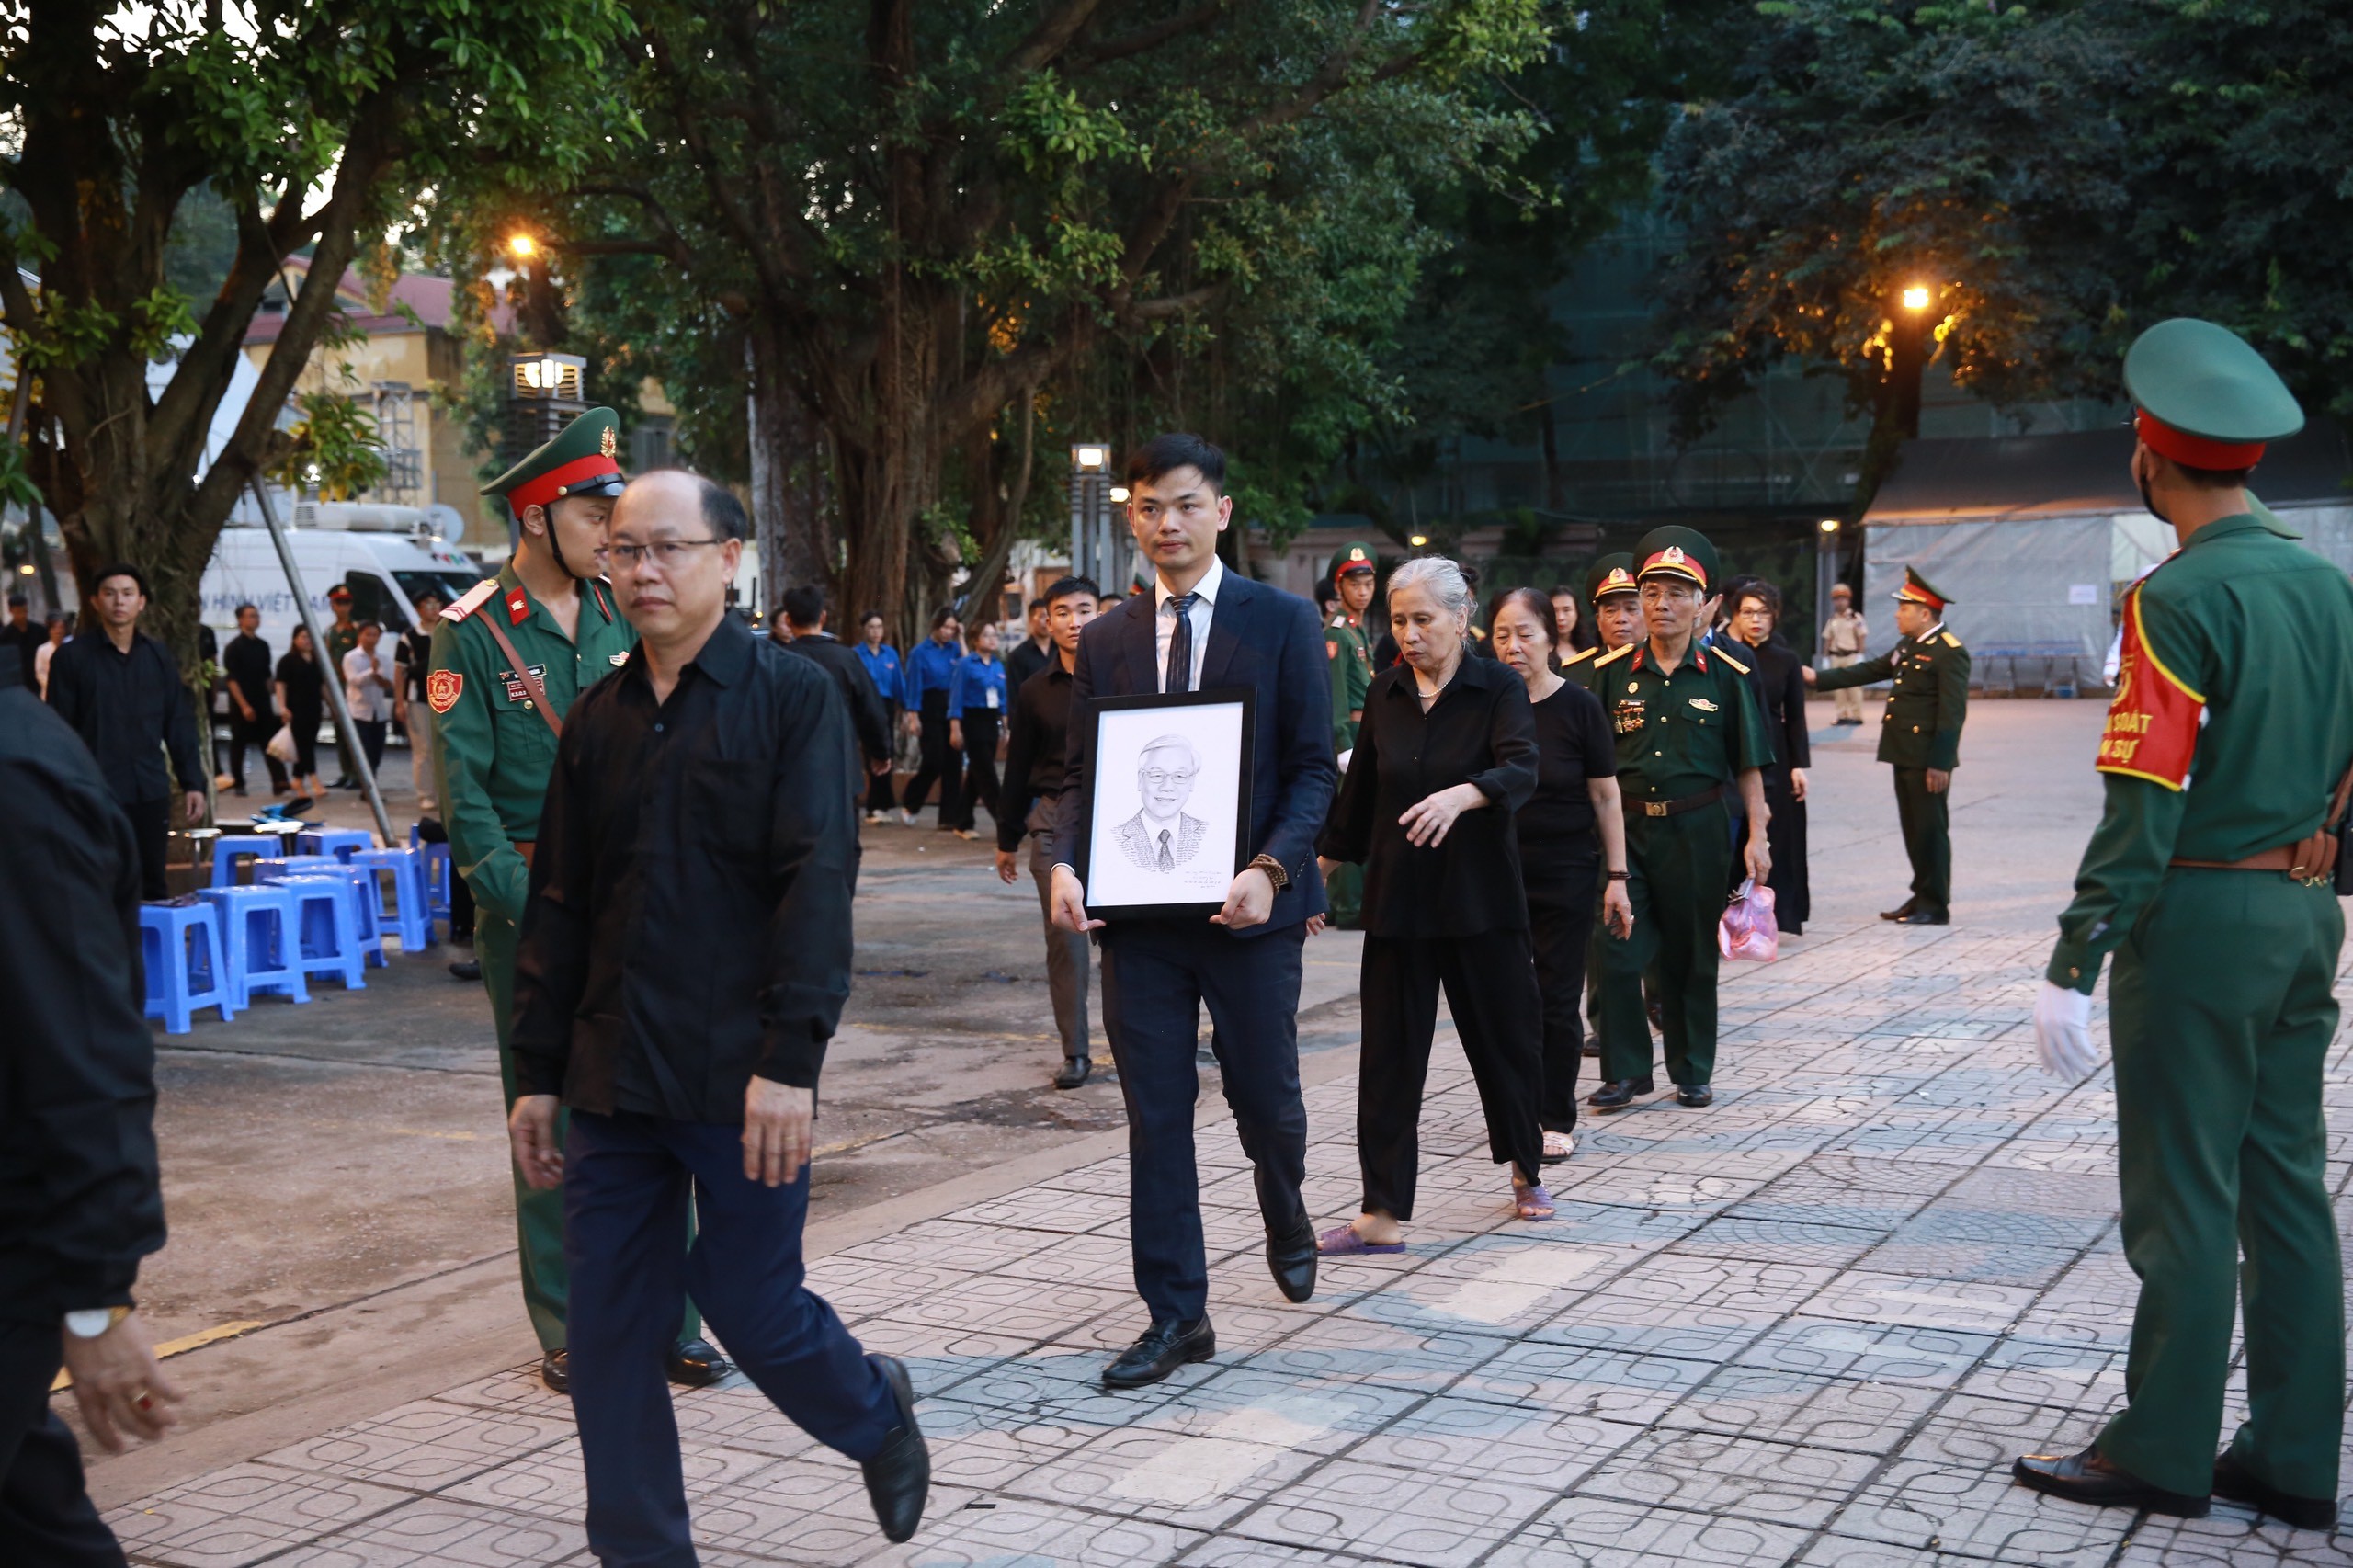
x: 518, y: 690
x: 1628, y: 716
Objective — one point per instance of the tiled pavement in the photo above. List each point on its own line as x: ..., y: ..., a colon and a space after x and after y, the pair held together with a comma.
x: 1810, y: 1327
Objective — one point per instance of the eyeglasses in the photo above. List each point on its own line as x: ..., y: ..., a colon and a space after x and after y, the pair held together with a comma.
x: 1160, y: 778
x: 667, y: 553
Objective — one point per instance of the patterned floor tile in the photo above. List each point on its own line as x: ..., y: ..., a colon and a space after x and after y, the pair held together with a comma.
x: 1595, y: 1532
x: 1710, y: 1473
x: 1396, y: 1515
x: 425, y: 1445
x: 429, y: 1531
x: 244, y: 1513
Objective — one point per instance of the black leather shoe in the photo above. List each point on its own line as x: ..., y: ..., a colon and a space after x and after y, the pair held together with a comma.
x: 1593, y: 1045
x: 697, y: 1364
x: 1695, y: 1095
x: 1074, y: 1073
x: 1164, y: 1347
x: 898, y: 1479
x: 1925, y: 916
x: 467, y: 969
x: 1901, y: 910
x: 2087, y: 1477
x: 1291, y: 1258
x: 1618, y: 1093
x: 2233, y: 1482
x: 555, y: 1370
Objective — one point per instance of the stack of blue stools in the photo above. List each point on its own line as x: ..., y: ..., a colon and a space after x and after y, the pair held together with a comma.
x: 409, y: 915
x: 261, y: 939
x: 438, y: 870
x: 332, y: 943
x: 339, y: 842
x: 181, y: 946
x: 229, y: 846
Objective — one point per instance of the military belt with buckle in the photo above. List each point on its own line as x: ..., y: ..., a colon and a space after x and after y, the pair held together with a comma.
x: 1687, y: 804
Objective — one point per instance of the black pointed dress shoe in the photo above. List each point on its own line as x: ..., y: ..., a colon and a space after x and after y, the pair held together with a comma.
x: 2087, y: 1477
x: 2233, y: 1482
x: 1291, y: 1258
x: 898, y: 1479
x: 1695, y: 1095
x: 1165, y: 1346
x: 1901, y: 910
x: 1074, y: 1073
x: 555, y: 1370
x: 697, y: 1364
x: 1618, y: 1093
x: 467, y: 969
x: 1925, y: 916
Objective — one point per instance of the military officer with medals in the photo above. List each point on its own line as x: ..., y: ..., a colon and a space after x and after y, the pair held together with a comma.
x: 1920, y: 736
x: 1348, y: 658
x: 509, y: 659
x: 2225, y: 762
x: 1689, y: 733
x: 1615, y: 598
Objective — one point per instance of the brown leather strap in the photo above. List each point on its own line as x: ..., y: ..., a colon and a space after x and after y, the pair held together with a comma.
x: 1687, y: 804
x: 2280, y: 860
x: 523, y: 846
x: 530, y: 682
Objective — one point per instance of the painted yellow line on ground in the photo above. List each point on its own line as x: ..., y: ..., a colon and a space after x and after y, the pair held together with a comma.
x: 178, y: 1347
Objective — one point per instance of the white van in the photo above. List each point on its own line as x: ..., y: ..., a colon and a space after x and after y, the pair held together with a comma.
x: 386, y: 555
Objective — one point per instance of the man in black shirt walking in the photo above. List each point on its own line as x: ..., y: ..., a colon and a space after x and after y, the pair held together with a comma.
x: 870, y: 723
x: 1033, y: 783
x: 253, y: 716
x: 685, y: 956
x: 120, y: 691
x: 19, y: 639
x: 1035, y: 651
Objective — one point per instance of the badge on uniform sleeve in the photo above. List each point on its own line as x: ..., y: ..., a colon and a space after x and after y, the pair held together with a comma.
x: 1331, y: 649
x: 2154, y: 720
x: 441, y: 689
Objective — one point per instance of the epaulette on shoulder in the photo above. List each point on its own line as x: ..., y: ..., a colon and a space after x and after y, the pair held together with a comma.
x: 1579, y: 657
x: 472, y: 600
x: 1951, y: 641
x: 1615, y: 654
x: 1738, y: 668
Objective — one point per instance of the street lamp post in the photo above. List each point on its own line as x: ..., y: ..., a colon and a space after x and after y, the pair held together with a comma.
x: 1093, y: 547
x: 1825, y: 573
x: 545, y: 392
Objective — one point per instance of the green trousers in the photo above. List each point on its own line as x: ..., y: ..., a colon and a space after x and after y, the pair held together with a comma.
x: 1927, y: 822
x: 2223, y: 1010
x: 1676, y: 869
x: 538, y: 1216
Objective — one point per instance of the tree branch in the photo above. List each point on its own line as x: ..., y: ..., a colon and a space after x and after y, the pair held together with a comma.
x: 1142, y: 39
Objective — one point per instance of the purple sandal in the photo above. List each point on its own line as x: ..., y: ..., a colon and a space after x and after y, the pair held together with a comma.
x: 1531, y: 1203
x: 1343, y: 1240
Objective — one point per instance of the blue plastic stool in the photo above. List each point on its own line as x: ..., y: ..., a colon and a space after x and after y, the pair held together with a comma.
x: 263, y: 960
x: 440, y: 869
x: 269, y: 870
x: 339, y: 842
x: 360, y: 889
x: 229, y: 847
x: 181, y: 944
x: 326, y: 928
x: 406, y: 916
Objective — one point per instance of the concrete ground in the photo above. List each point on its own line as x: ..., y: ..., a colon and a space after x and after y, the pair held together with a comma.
x: 1808, y: 1326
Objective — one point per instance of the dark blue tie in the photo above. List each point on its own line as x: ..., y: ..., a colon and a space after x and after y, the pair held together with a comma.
x: 1180, y: 644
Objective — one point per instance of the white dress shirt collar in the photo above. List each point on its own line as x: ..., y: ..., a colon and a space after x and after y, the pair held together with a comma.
x: 1206, y: 587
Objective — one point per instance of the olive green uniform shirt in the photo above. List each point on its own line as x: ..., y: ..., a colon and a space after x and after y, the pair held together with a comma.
x: 1347, y: 654
x: 2230, y: 726
x: 1928, y: 704
x: 495, y: 750
x: 1682, y: 733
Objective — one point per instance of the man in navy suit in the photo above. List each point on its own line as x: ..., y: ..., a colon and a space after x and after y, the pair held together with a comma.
x: 1201, y: 628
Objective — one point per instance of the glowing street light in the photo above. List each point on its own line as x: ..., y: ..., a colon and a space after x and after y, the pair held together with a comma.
x: 1118, y: 495
x: 522, y: 245
x: 1830, y: 524
x: 1417, y: 541
x: 1915, y: 298
x: 1090, y: 459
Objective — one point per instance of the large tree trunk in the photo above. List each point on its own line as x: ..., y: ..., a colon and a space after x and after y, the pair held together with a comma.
x: 782, y: 435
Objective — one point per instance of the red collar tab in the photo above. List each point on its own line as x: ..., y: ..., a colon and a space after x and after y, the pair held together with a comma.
x: 553, y: 485
x: 1698, y: 656
x: 597, y: 592
x: 519, y: 607
x: 2198, y: 451
x: 1636, y: 662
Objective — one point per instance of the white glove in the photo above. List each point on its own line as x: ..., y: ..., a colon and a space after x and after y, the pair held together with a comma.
x: 2062, y: 1033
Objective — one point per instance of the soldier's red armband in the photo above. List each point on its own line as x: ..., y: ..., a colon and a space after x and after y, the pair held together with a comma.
x: 2152, y: 723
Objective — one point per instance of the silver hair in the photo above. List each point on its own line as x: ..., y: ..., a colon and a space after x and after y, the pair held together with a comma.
x: 1439, y: 578
x: 1172, y: 743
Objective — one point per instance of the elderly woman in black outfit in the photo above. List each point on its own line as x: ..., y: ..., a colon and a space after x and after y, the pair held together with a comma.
x: 1568, y: 830
x: 1778, y: 675
x: 1446, y: 753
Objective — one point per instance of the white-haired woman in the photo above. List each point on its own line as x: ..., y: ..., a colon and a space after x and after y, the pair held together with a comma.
x: 1445, y: 757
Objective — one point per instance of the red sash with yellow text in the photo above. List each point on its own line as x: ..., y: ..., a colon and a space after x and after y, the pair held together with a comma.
x: 2152, y: 723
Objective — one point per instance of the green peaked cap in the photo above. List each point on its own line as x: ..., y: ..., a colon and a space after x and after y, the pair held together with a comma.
x: 584, y: 458
x: 2205, y: 382
x: 1610, y: 574
x: 1351, y: 558
x: 1677, y: 551
x: 1918, y: 590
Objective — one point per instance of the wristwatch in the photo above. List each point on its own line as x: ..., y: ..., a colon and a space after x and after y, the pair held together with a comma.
x: 1274, y: 870
x: 88, y: 1322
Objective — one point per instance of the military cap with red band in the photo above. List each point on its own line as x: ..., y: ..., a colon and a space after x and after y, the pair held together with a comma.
x: 1610, y: 574
x: 1677, y: 551
x: 2204, y: 398
x: 1916, y: 590
x: 584, y: 458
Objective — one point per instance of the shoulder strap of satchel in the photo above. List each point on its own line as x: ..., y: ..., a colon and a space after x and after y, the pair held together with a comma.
x: 530, y: 682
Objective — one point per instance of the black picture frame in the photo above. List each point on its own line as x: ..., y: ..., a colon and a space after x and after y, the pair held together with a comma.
x: 1112, y: 750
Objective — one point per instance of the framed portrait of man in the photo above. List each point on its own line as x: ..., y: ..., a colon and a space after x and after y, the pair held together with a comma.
x: 1169, y: 806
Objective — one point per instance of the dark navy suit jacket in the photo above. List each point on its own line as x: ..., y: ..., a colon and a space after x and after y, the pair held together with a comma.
x: 1259, y: 636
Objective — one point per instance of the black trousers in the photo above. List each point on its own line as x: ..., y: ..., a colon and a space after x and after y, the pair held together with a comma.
x: 981, y: 730
x: 1158, y: 975
x: 1561, y: 936
x: 1785, y: 835
x: 878, y: 796
x: 372, y: 740
x: 256, y: 734
x: 46, y: 1516
x: 150, y: 824
x: 1490, y: 983
x: 940, y: 762
x: 1927, y: 821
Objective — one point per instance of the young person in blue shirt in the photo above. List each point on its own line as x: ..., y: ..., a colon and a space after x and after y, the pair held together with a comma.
x: 881, y: 661
x: 923, y: 686
x: 977, y: 701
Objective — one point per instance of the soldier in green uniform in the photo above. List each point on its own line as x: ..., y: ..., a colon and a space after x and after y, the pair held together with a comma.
x: 1920, y: 736
x: 509, y: 659
x: 1689, y: 732
x: 2226, y: 751
x: 1616, y: 602
x: 1348, y: 654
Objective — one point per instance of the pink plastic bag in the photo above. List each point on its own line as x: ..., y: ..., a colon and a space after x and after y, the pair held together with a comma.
x: 1749, y: 929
